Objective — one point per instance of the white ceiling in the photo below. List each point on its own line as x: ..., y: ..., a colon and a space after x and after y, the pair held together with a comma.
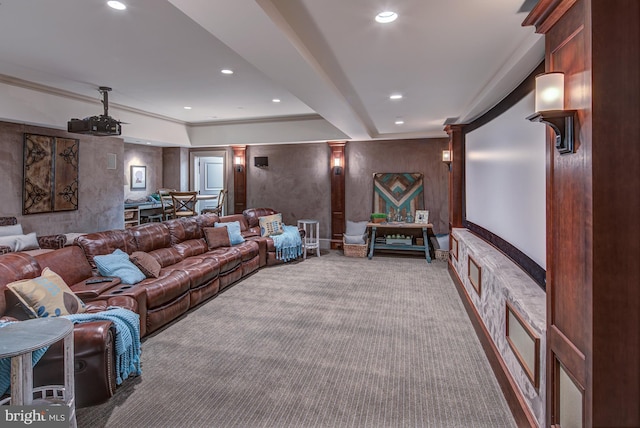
x: 326, y: 58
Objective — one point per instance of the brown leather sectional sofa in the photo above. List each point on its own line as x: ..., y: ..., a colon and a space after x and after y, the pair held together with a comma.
x: 192, y: 271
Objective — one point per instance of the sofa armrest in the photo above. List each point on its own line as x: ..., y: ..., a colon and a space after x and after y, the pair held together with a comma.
x: 52, y: 242
x: 4, y: 249
x: 94, y: 363
x: 88, y: 292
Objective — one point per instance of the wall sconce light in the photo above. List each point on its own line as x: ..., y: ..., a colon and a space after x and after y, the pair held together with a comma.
x: 446, y: 157
x: 238, y: 163
x: 337, y: 165
x: 550, y: 110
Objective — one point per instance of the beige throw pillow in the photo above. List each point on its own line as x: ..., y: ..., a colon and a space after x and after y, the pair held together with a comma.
x: 271, y: 225
x: 46, y: 296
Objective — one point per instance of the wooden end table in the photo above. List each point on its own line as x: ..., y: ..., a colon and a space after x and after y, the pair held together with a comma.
x: 399, y: 227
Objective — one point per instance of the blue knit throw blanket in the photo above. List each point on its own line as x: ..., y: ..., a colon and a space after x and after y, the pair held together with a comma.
x: 5, y: 366
x: 127, y: 324
x: 288, y: 244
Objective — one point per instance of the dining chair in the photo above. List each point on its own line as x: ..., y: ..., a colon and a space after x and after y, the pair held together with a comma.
x: 166, y: 203
x: 218, y: 208
x: 184, y: 204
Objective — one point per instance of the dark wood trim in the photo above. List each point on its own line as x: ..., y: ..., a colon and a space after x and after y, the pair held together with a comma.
x: 527, y: 86
x: 478, y: 286
x: 239, y: 179
x: 568, y: 353
x: 516, y: 402
x: 555, y: 404
x: 547, y: 13
x: 452, y: 250
x: 533, y: 373
x: 456, y: 175
x: 338, y: 203
x: 533, y: 269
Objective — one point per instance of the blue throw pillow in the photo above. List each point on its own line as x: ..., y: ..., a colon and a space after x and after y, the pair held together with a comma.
x: 233, y: 229
x: 118, y: 264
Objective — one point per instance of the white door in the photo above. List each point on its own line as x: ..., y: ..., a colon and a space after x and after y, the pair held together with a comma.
x: 210, y: 178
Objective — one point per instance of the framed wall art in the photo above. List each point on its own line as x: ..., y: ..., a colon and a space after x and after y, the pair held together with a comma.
x: 138, y: 177
x: 50, y: 179
x: 422, y: 216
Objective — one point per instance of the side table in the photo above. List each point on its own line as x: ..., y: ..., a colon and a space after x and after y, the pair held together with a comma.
x: 18, y: 341
x: 311, y: 239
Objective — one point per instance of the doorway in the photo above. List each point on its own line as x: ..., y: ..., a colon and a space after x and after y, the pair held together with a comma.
x: 208, y: 176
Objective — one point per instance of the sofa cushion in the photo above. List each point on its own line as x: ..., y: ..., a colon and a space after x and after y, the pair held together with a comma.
x: 200, y: 270
x: 271, y: 225
x: 47, y: 295
x: 20, y: 242
x: 69, y: 262
x: 183, y: 229
x: 216, y: 237
x: 118, y: 264
x: 253, y: 214
x: 192, y: 247
x: 146, y: 263
x: 151, y: 236
x: 101, y: 243
x: 27, y: 242
x: 166, y: 256
x: 9, y: 241
x: 11, y: 230
x: 233, y: 229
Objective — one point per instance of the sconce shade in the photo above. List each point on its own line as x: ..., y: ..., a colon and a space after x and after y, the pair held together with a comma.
x: 549, y: 105
x: 549, y: 92
x: 238, y: 160
x: 337, y: 162
x: 446, y: 156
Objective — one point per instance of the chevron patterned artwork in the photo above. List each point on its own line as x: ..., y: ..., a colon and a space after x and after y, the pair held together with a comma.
x: 393, y: 192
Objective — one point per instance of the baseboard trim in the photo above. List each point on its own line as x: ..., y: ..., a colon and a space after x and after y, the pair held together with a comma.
x: 515, y: 400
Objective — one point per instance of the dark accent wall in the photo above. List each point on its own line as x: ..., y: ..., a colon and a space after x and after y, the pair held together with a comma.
x: 100, y: 190
x: 364, y: 158
x: 175, y: 168
x: 297, y: 181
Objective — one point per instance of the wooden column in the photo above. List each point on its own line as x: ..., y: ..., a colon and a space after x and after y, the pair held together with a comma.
x: 337, y: 192
x: 239, y: 178
x: 456, y: 175
x: 593, y: 195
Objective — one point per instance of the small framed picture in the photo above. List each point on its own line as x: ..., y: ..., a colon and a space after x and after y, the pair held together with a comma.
x: 422, y: 216
x: 138, y: 177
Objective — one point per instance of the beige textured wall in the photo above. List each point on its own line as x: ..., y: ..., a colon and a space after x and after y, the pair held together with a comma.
x: 141, y: 155
x: 296, y: 182
x: 100, y: 196
x: 364, y: 158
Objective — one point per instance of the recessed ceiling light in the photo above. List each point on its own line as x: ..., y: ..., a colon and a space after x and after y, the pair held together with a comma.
x: 117, y: 5
x: 395, y: 97
x: 226, y: 71
x: 399, y: 122
x: 187, y: 107
x: 276, y: 100
x: 386, y: 16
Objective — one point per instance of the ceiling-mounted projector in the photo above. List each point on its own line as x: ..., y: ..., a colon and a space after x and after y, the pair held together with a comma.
x: 102, y: 125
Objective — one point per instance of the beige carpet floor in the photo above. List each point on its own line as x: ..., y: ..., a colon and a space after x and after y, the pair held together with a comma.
x: 327, y: 342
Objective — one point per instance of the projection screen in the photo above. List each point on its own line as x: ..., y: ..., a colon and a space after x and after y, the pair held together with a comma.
x: 505, y: 179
